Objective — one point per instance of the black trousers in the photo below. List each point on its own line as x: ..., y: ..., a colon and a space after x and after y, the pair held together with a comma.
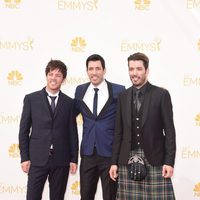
x: 91, y: 168
x: 57, y: 177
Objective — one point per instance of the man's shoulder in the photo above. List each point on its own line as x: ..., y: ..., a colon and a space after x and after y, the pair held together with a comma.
x: 65, y: 96
x: 35, y: 93
x: 158, y: 88
x: 116, y: 85
x: 83, y: 85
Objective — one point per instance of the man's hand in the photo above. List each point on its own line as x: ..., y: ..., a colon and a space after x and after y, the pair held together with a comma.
x: 113, y: 172
x: 26, y: 166
x: 167, y: 171
x: 73, y: 168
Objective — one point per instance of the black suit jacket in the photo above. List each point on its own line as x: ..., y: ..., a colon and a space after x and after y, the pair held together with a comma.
x: 157, y: 127
x: 39, y: 128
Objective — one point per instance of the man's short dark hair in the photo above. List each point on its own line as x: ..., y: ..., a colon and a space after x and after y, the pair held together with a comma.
x: 140, y: 56
x: 56, y: 64
x: 95, y: 57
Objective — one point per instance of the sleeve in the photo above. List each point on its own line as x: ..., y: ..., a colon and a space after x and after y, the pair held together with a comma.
x: 117, y: 135
x: 73, y: 136
x: 169, y: 129
x: 24, y: 130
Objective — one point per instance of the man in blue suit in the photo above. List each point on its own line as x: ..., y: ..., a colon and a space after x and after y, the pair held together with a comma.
x: 48, y: 138
x: 96, y: 101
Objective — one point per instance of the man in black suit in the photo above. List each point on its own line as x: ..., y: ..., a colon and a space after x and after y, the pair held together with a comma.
x: 144, y: 127
x: 48, y: 138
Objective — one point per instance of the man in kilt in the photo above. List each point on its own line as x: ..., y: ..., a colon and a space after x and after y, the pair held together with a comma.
x: 145, y: 128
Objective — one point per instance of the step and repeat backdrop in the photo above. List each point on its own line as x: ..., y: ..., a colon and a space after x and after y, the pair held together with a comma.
x: 33, y: 32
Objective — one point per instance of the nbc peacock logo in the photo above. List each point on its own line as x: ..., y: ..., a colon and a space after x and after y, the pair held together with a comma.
x: 13, y: 4
x: 197, y: 120
x: 14, y: 151
x: 76, y: 188
x: 14, y: 78
x: 142, y: 4
x: 197, y: 190
x: 78, y: 44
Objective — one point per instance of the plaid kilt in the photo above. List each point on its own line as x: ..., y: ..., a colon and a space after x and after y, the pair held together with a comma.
x: 153, y: 187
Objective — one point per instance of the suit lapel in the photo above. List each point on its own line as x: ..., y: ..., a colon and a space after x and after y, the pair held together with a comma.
x: 108, y: 102
x: 81, y: 96
x: 147, y: 101
x: 45, y: 102
x: 59, y: 104
x: 129, y: 106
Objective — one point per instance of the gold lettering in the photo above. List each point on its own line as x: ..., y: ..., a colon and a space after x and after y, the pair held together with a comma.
x: 60, y: 5
x: 195, y: 81
x: 77, y: 5
x: 189, y: 4
x: 15, y: 83
x: 12, y: 6
x: 184, y: 153
x: 76, y: 81
x: 17, y: 45
x: 9, y: 119
x: 186, y: 80
x: 124, y: 46
x: 196, y: 3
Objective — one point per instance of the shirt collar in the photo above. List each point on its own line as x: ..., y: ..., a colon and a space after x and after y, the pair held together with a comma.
x: 142, y: 89
x: 50, y: 94
x: 100, y: 86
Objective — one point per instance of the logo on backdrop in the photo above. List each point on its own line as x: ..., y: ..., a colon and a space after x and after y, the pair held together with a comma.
x: 142, y: 4
x: 197, y: 190
x: 9, y: 119
x: 75, y: 188
x: 14, y: 151
x: 84, y: 5
x: 13, y: 4
x: 197, y: 119
x: 146, y: 46
x: 79, y: 120
x: 14, y: 78
x: 191, y: 4
x: 75, y: 80
x: 190, y: 153
x: 23, y: 45
x: 190, y: 80
x: 12, y: 189
x: 198, y: 45
x: 78, y: 44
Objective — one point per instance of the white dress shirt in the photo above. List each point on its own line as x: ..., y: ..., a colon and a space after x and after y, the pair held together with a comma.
x: 102, y: 96
x: 53, y: 95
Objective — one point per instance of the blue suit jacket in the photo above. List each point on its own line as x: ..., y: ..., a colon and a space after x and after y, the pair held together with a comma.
x: 98, y: 131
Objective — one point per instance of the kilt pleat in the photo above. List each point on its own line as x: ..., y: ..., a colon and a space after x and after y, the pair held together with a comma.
x: 153, y: 187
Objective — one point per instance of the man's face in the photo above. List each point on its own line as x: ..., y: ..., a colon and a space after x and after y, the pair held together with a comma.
x: 137, y: 72
x: 54, y: 80
x: 95, y: 72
